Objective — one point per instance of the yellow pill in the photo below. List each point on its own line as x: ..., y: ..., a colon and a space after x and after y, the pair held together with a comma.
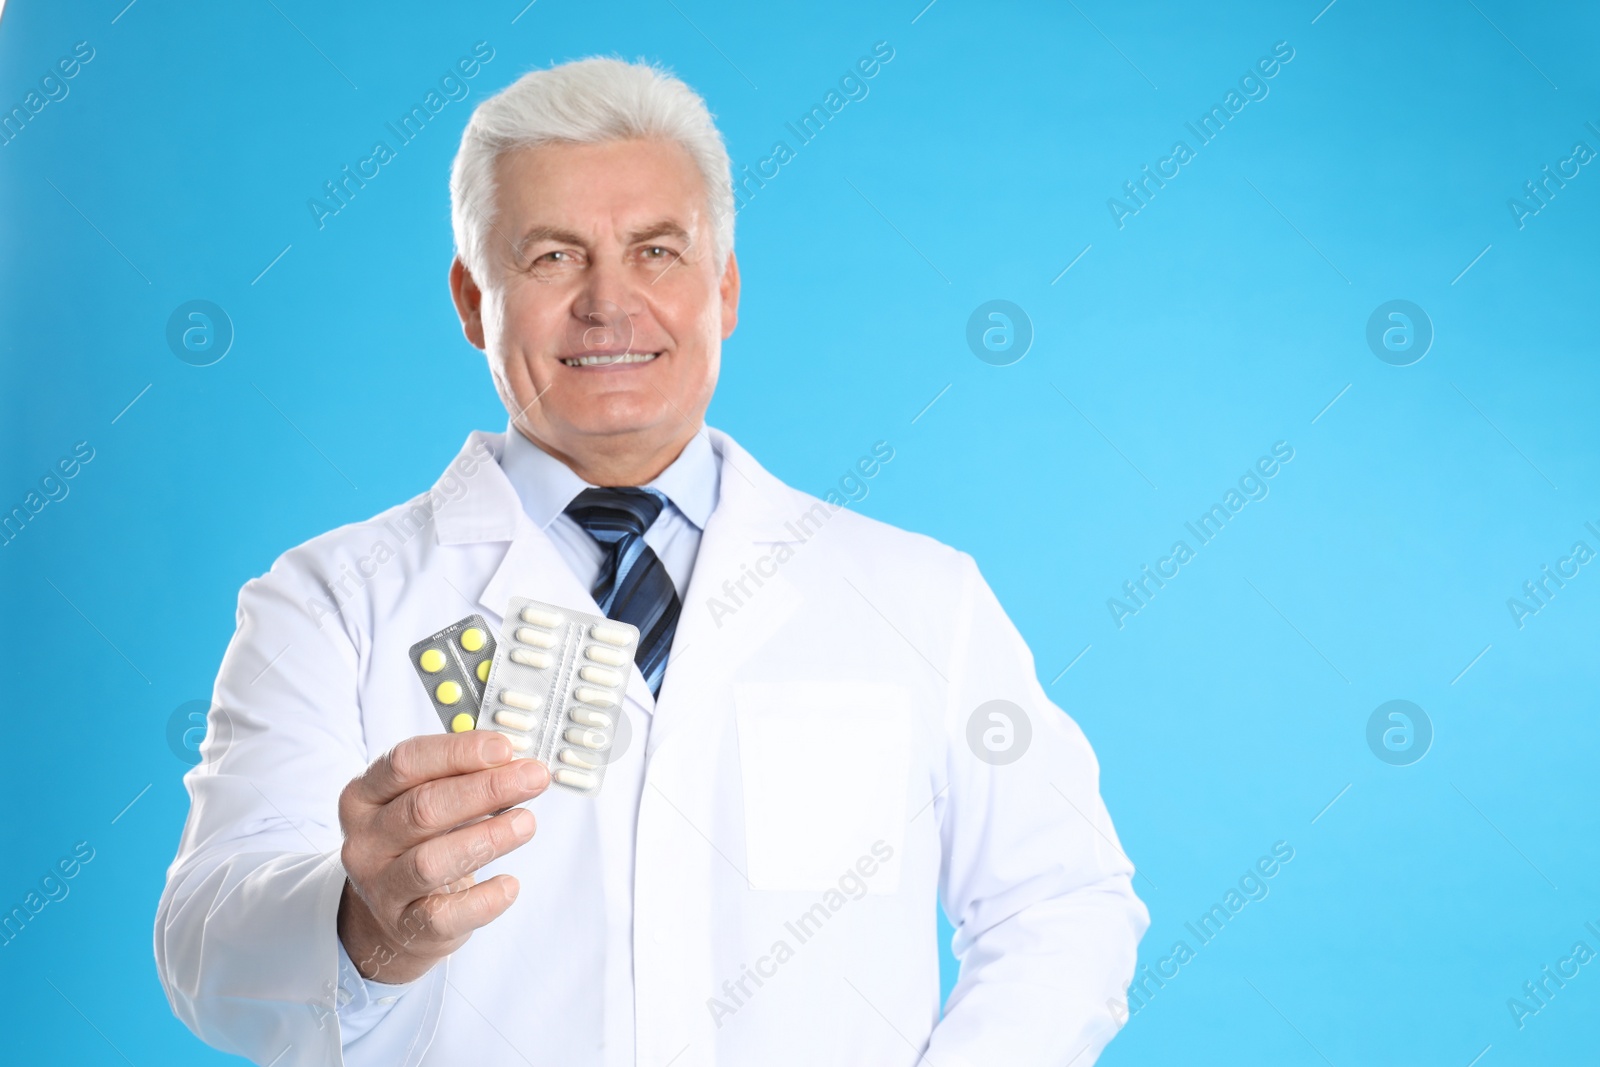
x: 483, y: 671
x: 472, y: 639
x: 461, y: 723
x: 448, y: 692
x: 431, y: 661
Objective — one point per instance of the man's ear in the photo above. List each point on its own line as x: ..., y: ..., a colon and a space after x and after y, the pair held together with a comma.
x: 469, y: 301
x: 730, y: 296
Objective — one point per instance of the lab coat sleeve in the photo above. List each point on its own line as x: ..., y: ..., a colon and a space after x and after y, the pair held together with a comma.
x: 245, y: 937
x: 1033, y: 877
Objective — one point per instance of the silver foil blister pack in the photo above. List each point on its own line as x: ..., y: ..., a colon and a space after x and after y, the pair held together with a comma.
x: 454, y: 667
x: 556, y: 688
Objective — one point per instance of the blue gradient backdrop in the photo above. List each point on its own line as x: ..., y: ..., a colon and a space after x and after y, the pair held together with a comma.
x: 1224, y: 316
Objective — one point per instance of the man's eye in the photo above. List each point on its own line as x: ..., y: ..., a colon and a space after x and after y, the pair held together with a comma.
x: 658, y: 252
x: 547, y: 264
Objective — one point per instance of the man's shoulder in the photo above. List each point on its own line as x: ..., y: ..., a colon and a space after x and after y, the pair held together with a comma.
x: 391, y: 531
x: 879, y: 536
x: 794, y: 516
x: 881, y: 548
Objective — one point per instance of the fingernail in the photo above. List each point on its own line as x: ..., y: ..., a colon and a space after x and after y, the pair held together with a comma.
x: 537, y: 776
x: 522, y: 822
x: 499, y: 750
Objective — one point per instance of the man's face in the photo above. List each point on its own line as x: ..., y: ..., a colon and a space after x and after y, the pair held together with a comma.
x: 605, y: 310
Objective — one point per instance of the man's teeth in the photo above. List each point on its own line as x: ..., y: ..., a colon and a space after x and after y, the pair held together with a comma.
x: 606, y: 361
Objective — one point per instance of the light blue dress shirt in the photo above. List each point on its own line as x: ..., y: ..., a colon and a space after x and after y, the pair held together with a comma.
x: 545, y: 485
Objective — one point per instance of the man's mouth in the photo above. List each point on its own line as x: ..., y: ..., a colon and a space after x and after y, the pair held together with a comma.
x: 609, y: 359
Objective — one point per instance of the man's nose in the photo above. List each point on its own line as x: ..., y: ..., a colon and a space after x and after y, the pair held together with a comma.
x: 607, y: 306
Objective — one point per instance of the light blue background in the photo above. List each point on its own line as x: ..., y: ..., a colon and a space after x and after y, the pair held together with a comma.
x: 1224, y: 317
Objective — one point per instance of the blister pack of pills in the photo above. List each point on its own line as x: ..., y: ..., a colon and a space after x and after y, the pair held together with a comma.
x: 454, y: 667
x: 556, y: 688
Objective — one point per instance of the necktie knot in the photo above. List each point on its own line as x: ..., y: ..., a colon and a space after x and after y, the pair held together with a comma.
x: 614, y: 515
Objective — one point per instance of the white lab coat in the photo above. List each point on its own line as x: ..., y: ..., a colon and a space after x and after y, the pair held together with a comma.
x: 755, y: 883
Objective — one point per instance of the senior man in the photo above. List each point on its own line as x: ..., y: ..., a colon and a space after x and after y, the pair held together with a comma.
x: 830, y: 726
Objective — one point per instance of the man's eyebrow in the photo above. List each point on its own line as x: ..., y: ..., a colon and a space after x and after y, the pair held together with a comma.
x: 549, y: 233
x: 660, y: 228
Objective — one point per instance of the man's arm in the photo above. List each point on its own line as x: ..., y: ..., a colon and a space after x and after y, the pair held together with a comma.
x: 293, y: 842
x: 1033, y: 878
x: 245, y: 933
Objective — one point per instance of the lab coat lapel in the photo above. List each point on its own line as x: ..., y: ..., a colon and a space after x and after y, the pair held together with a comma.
x: 720, y: 628
x: 532, y: 567
x: 491, y: 511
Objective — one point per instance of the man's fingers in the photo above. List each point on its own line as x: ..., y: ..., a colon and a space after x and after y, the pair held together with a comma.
x: 466, y: 881
x: 436, y: 807
x: 447, y: 917
x: 440, y: 861
x: 422, y: 759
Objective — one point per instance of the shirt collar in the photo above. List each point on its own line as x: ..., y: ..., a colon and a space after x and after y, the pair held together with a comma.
x: 546, y: 485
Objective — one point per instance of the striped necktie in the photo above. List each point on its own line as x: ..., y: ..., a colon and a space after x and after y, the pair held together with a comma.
x: 633, y: 585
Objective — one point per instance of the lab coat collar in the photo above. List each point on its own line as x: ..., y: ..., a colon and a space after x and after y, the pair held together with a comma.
x: 752, y: 504
x: 489, y: 511
x: 753, y: 507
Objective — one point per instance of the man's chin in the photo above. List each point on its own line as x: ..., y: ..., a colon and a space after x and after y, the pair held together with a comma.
x: 620, y: 416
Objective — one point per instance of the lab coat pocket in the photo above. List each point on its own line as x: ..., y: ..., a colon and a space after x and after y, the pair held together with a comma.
x: 824, y: 768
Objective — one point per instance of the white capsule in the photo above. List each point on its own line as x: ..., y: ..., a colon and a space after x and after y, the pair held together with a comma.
x: 587, y: 738
x: 519, y: 742
x: 526, y: 701
x: 577, y: 759
x: 514, y: 719
x: 590, y: 717
x: 603, y: 654
x: 600, y: 676
x: 610, y: 634
x: 529, y: 658
x: 598, y: 697
x: 575, y: 779
x: 536, y: 638
x: 540, y: 617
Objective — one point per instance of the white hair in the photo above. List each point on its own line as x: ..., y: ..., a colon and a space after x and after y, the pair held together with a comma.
x: 587, y: 101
